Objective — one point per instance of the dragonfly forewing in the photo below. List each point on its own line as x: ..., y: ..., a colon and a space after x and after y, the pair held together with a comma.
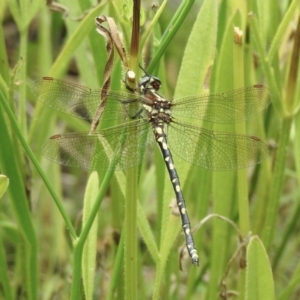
x: 82, y: 102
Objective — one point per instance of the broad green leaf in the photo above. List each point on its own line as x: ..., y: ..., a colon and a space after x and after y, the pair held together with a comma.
x: 259, y: 279
x: 89, y: 251
x: 223, y: 183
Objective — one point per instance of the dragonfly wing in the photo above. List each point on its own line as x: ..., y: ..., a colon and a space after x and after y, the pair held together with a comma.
x: 228, y: 107
x: 131, y: 142
x: 66, y: 97
x: 215, y: 150
x: 82, y: 102
x: 97, y: 150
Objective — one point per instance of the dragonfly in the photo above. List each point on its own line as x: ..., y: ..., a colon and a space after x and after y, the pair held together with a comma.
x: 144, y: 118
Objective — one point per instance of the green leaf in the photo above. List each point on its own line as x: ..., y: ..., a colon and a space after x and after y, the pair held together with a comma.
x: 89, y: 251
x: 259, y: 279
x: 199, y: 53
x: 18, y: 199
x: 4, y: 182
x: 223, y: 183
x: 196, y: 63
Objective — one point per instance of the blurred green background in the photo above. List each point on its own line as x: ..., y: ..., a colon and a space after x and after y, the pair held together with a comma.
x: 39, y: 244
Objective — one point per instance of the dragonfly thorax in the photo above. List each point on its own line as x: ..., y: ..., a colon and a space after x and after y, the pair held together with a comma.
x: 159, y: 113
x: 156, y: 107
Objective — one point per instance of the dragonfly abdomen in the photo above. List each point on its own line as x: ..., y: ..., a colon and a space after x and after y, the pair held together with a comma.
x: 161, y: 140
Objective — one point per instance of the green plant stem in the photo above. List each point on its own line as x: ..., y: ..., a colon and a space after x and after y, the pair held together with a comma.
x: 79, y: 243
x: 280, y: 32
x: 27, y: 149
x: 242, y: 188
x: 11, y: 167
x: 290, y: 102
x: 76, y: 289
x: 171, y: 30
x: 130, y: 223
x: 153, y: 22
x: 5, y: 77
x: 292, y: 285
x: 278, y: 178
x: 22, y: 104
x: 287, y: 235
x: 4, y: 274
x: 268, y: 71
x: 277, y: 183
x: 117, y: 268
x: 130, y: 227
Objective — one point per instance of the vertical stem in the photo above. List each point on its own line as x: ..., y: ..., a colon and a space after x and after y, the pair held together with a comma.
x: 293, y: 74
x: 277, y: 182
x: 131, y: 235
x: 116, y: 270
x: 10, y: 166
x: 135, y: 35
x: 23, y: 56
x: 171, y: 30
x: 76, y: 288
x: 130, y: 226
x: 242, y: 187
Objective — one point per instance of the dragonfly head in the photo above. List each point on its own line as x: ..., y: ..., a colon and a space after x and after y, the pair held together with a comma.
x: 149, y: 83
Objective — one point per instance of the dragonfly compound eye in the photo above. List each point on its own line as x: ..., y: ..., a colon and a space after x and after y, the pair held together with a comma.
x: 149, y: 82
x: 155, y: 83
